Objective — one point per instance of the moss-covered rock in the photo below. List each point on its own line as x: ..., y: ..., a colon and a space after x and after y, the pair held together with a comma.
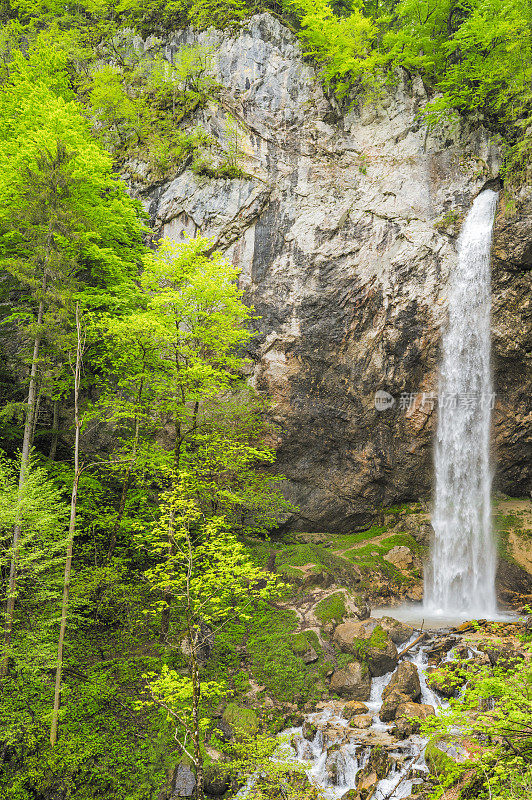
x: 331, y: 608
x: 353, y: 682
x: 443, y: 755
x: 242, y: 721
x: 216, y: 780
x: 369, y: 643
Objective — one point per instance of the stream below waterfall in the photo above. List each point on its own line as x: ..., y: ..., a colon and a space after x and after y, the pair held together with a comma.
x: 335, y: 752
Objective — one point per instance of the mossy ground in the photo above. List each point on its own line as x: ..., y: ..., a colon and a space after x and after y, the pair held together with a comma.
x: 310, y: 557
x: 331, y: 608
x: 109, y: 746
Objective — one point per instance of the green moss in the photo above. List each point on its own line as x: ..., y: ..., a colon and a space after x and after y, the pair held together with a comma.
x: 377, y: 641
x: 303, y: 641
x: 332, y: 608
x: 371, y: 557
x: 243, y: 721
x: 273, y: 661
x: 343, y: 542
x: 287, y: 571
x: 300, y: 644
x: 438, y: 762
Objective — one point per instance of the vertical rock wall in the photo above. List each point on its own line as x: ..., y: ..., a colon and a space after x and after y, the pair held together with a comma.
x: 344, y: 227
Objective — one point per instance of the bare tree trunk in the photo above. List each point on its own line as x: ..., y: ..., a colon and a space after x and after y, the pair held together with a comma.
x: 127, y: 479
x: 55, y: 432
x: 195, y: 677
x: 196, y: 693
x: 71, y: 532
x: 25, y: 455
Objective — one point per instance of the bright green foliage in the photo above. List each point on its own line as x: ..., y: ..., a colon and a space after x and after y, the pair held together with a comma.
x: 179, y: 359
x: 208, y: 570
x: 340, y: 45
x: 495, y: 710
x: 173, y: 693
x: 38, y: 507
x: 154, y: 16
x: 243, y: 721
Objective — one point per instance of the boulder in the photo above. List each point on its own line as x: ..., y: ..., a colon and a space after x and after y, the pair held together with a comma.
x: 501, y: 655
x: 310, y: 656
x: 369, y: 643
x: 400, y: 557
x: 361, y: 721
x: 309, y: 730
x: 388, y: 710
x: 415, y: 594
x: 216, y: 781
x: 375, y: 769
x: 415, y: 713
x: 240, y: 721
x: 398, y: 632
x: 353, y: 682
x: 182, y: 784
x: 405, y: 680
x: 353, y: 708
x: 443, y: 753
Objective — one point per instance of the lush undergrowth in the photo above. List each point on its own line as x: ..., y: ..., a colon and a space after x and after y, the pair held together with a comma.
x: 481, y: 747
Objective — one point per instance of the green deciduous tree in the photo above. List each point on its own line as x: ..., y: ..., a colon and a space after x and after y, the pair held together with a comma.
x: 213, y: 580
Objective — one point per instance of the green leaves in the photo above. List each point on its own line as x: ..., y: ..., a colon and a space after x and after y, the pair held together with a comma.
x: 341, y: 45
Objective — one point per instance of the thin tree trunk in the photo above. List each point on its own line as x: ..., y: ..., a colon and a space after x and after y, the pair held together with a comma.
x: 195, y: 677
x: 71, y: 532
x: 35, y: 415
x: 25, y: 455
x: 196, y: 693
x: 55, y: 432
x: 127, y: 480
x: 167, y: 595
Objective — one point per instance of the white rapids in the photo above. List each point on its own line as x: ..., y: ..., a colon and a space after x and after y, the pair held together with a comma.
x: 460, y: 578
x: 333, y: 758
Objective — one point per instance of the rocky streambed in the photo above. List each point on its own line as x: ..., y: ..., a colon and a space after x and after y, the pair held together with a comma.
x: 367, y: 743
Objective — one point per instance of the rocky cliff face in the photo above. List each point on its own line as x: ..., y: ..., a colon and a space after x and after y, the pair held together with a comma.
x: 345, y: 229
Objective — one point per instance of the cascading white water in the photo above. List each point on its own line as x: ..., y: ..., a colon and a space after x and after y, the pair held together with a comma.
x: 460, y: 578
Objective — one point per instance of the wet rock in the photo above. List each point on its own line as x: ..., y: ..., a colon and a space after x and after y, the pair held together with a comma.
x: 388, y: 710
x: 369, y: 642
x: 400, y: 557
x: 353, y: 708
x: 375, y: 769
x: 415, y: 710
x: 398, y: 632
x: 309, y: 730
x: 353, y: 682
x: 439, y: 649
x: 403, y: 728
x: 361, y: 721
x: 405, y: 680
x: 366, y: 785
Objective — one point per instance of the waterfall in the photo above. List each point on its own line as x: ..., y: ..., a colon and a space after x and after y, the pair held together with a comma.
x: 461, y: 574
